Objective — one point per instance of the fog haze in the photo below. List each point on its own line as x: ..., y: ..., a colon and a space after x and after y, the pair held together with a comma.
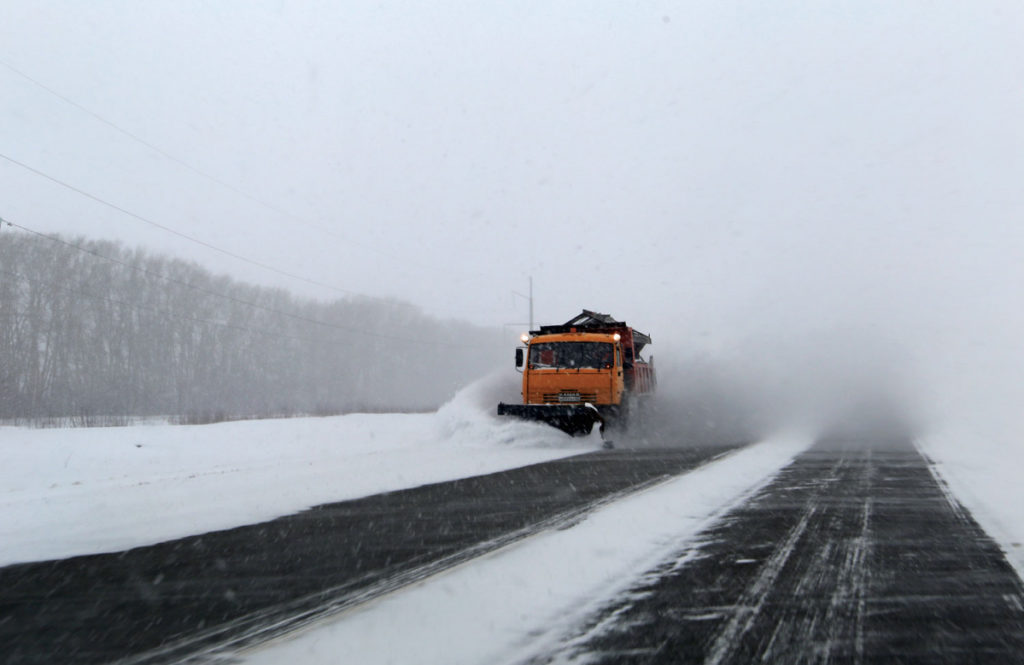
x: 813, y: 200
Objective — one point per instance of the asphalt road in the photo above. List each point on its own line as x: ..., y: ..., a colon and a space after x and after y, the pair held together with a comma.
x: 187, y: 599
x: 853, y: 554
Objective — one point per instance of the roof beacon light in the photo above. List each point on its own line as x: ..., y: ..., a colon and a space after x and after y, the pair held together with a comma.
x: 525, y: 337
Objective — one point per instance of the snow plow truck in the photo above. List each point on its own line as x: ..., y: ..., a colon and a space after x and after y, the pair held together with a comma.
x: 583, y: 372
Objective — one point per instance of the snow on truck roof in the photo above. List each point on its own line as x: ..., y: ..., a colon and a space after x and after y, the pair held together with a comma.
x: 589, y: 321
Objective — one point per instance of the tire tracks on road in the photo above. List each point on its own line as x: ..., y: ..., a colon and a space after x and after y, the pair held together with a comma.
x: 855, y: 553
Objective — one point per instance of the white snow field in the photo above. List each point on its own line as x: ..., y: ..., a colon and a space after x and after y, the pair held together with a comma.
x: 65, y: 492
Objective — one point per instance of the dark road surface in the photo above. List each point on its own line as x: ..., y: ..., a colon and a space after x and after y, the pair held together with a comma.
x: 184, y: 598
x: 853, y: 554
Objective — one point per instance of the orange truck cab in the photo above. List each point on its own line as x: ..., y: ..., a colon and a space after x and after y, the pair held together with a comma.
x: 585, y: 371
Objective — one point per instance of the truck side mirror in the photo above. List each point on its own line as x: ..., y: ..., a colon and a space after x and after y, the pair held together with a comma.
x: 519, y: 357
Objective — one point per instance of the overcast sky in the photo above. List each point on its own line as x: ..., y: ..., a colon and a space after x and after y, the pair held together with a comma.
x: 713, y: 172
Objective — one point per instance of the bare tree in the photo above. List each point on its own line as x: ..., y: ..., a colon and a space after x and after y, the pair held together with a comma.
x: 91, y: 329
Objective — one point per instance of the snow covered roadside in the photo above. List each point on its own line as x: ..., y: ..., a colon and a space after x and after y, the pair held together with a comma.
x: 983, y: 468
x: 81, y: 491
x: 511, y: 604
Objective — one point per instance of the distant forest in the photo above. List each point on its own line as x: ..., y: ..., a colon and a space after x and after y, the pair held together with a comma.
x: 92, y: 331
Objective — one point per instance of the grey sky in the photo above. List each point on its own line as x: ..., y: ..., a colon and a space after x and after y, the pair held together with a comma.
x: 722, y: 170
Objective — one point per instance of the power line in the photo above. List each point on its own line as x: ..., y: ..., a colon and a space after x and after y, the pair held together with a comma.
x: 168, y: 229
x: 211, y: 292
x: 164, y: 313
x: 196, y: 170
x: 201, y: 289
x: 134, y: 137
x: 220, y: 324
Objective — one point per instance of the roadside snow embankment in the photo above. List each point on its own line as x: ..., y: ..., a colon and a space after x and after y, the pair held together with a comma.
x: 82, y: 491
x: 982, y: 467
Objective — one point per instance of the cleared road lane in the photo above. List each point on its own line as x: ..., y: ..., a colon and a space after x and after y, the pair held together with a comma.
x: 855, y: 553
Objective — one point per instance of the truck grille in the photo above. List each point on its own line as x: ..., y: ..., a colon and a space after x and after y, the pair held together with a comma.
x: 569, y: 397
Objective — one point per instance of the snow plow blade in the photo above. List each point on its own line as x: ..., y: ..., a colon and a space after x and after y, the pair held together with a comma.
x: 572, y: 419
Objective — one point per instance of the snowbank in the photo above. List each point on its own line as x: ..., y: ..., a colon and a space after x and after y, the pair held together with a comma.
x: 983, y: 466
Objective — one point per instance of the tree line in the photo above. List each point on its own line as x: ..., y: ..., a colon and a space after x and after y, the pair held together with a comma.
x: 92, y: 330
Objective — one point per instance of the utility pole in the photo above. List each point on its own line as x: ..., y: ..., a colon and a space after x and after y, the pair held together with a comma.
x: 531, y: 302
x: 529, y: 298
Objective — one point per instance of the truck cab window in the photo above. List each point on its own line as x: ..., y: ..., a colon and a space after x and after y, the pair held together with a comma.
x: 571, y: 355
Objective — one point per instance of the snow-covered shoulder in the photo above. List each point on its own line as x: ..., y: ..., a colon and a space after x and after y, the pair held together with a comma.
x: 983, y: 467
x: 65, y: 492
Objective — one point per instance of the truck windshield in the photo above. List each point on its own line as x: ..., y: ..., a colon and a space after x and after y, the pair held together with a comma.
x: 571, y: 355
